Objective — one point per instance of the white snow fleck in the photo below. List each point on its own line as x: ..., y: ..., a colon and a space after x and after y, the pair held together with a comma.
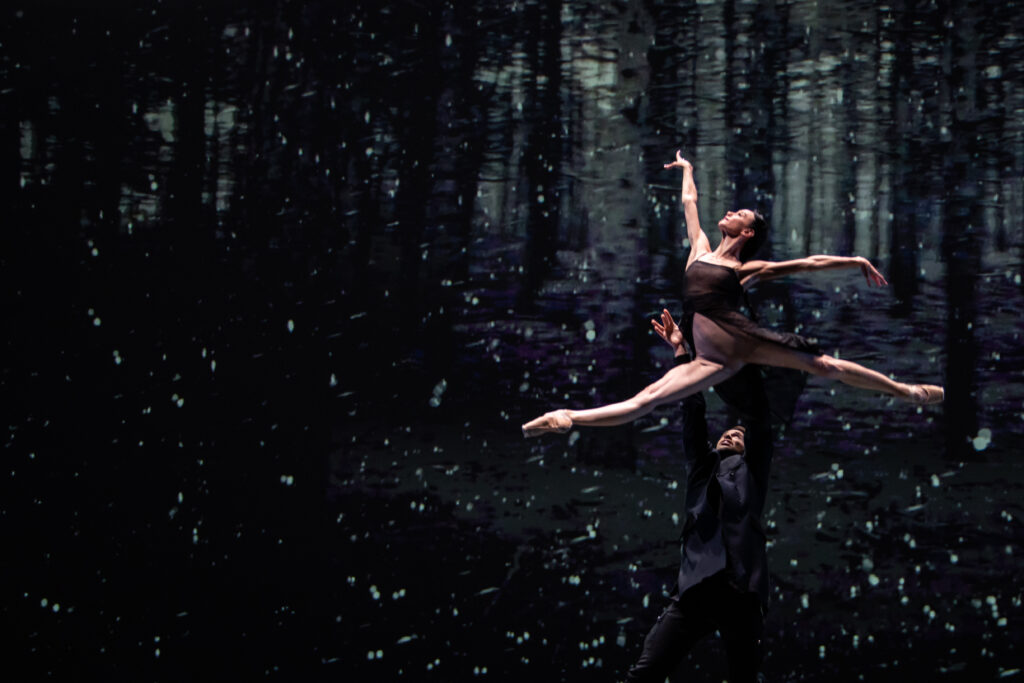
x: 439, y: 390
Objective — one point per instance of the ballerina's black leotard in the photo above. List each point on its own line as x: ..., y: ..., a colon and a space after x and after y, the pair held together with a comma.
x: 715, y: 292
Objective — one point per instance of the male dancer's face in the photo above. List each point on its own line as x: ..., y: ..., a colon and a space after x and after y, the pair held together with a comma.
x: 731, y: 441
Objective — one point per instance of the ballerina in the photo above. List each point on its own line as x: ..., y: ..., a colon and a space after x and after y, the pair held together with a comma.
x: 721, y: 338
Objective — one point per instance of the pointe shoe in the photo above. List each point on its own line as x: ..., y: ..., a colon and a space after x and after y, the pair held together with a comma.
x: 555, y: 421
x: 926, y: 394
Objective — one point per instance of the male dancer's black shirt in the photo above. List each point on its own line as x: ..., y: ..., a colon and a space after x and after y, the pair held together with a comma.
x: 725, y: 495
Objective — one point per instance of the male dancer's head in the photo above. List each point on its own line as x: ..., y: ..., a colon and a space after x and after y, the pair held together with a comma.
x: 732, y: 440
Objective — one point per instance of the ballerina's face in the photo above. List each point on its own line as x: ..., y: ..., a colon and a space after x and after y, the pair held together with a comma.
x: 733, y: 222
x: 732, y: 441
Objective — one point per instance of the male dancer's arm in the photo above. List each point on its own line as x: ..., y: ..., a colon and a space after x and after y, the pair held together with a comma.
x: 695, y: 424
x: 746, y: 389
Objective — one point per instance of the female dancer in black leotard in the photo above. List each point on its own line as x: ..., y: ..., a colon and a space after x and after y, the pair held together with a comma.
x: 721, y: 337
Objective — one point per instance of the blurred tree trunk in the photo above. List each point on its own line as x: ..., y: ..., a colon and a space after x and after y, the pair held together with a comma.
x: 671, y: 111
x: 112, y: 129
x: 849, y: 159
x: 903, y: 264
x: 542, y: 157
x: 963, y: 228
x: 881, y: 113
x: 417, y: 131
x: 185, y: 206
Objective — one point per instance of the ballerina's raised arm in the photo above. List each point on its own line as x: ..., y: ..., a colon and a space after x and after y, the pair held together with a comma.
x: 699, y: 244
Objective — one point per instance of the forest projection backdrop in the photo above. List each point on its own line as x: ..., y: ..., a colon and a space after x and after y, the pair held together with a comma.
x: 281, y: 281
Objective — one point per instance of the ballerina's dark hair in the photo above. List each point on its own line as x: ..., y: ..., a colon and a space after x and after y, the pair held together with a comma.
x: 760, y: 228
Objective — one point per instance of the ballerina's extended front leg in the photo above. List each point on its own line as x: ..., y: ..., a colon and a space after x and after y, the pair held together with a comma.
x: 676, y: 384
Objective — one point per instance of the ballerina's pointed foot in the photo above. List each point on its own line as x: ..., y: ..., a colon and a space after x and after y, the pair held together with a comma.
x: 926, y: 394
x: 556, y: 421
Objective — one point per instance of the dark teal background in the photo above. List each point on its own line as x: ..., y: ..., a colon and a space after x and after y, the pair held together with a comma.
x: 281, y: 280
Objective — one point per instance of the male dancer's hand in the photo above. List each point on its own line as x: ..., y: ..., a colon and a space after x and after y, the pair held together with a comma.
x: 670, y: 332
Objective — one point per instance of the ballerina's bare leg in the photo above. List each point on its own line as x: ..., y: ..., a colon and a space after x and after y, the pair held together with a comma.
x: 844, y: 371
x: 676, y: 384
x: 717, y: 360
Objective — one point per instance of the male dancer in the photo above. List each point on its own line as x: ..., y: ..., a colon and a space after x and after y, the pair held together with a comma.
x: 723, y: 576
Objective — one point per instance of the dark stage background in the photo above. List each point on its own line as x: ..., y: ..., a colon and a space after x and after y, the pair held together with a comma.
x: 282, y: 279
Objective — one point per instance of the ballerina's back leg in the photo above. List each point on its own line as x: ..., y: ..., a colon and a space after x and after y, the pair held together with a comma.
x: 777, y: 355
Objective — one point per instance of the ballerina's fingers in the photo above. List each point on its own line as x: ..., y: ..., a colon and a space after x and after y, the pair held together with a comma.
x: 873, y: 276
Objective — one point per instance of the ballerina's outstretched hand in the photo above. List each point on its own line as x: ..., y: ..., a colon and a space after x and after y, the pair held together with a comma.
x: 871, y: 273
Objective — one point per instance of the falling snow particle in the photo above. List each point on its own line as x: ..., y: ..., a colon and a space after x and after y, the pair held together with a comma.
x: 439, y: 390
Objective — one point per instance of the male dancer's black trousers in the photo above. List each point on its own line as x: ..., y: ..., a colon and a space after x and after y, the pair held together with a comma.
x: 713, y: 604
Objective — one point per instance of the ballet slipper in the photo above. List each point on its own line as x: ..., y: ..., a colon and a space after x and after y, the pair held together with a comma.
x: 555, y: 421
x: 925, y: 394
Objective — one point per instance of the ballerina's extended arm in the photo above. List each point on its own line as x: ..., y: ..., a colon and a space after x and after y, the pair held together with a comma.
x: 753, y: 272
